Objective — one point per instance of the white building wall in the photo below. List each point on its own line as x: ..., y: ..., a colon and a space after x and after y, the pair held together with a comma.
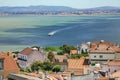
x: 22, y: 63
x: 97, y: 56
x: 117, y: 55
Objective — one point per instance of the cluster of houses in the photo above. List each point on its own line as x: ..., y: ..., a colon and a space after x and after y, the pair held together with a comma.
x: 102, y: 63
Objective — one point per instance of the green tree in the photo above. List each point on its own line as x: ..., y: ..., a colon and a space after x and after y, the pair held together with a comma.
x: 49, y: 49
x: 47, y: 66
x: 25, y: 70
x: 77, y: 56
x: 36, y: 66
x: 16, y: 52
x: 51, y: 56
x: 66, y: 48
x: 60, y: 53
x: 56, y: 68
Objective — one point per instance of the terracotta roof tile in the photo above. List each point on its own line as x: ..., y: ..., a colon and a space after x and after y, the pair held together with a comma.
x: 57, y: 76
x: 75, y: 63
x: 76, y: 66
x: 60, y: 57
x: 113, y: 63
x: 26, y: 51
x: 116, y: 74
x: 9, y: 63
x: 104, y: 47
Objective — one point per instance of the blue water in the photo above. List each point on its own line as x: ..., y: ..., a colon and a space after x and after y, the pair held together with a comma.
x: 71, y: 30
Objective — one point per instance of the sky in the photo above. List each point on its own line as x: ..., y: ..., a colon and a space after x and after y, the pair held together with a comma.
x: 69, y: 3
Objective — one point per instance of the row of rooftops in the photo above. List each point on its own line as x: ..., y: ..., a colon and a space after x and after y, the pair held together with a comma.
x: 102, y: 46
x: 73, y: 64
x: 115, y: 62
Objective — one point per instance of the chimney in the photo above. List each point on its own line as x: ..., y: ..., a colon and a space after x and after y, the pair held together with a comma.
x: 107, y: 48
x: 97, y: 45
x: 8, y: 54
x: 96, y: 48
x: 90, y: 45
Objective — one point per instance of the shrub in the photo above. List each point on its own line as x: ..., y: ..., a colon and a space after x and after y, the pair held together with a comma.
x: 56, y: 68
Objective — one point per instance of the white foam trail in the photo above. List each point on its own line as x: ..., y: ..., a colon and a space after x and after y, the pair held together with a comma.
x: 55, y: 31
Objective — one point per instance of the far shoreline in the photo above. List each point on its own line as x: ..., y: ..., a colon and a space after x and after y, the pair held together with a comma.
x: 59, y: 15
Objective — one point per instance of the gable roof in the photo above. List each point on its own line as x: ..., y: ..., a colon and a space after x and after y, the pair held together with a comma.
x: 77, y: 66
x: 26, y: 51
x: 60, y: 57
x: 75, y: 63
x: 99, y: 46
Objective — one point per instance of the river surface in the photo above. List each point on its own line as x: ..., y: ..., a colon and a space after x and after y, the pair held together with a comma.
x: 18, y: 32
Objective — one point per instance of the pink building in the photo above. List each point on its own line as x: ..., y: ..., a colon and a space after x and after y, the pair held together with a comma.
x: 29, y: 55
x: 111, y: 66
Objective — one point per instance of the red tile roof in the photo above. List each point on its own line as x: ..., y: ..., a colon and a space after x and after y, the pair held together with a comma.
x: 99, y: 46
x: 9, y: 63
x: 60, y: 57
x: 77, y: 66
x: 26, y: 51
x: 116, y: 74
x: 113, y: 63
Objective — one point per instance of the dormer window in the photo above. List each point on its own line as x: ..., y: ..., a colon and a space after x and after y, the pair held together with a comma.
x: 95, y: 48
x: 64, y: 60
x: 56, y: 60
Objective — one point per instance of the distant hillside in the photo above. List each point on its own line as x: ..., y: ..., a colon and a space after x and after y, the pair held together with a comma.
x: 105, y: 8
x: 36, y: 9
x: 44, y: 10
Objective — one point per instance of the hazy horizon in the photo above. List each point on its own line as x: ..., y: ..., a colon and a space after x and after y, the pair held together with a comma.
x: 74, y: 4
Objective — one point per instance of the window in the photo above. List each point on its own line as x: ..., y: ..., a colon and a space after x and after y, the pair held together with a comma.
x: 56, y: 60
x: 1, y: 64
x: 101, y: 56
x: 64, y: 60
x: 94, y: 56
x: 1, y: 77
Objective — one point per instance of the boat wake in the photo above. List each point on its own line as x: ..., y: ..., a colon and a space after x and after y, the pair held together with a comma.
x: 58, y: 30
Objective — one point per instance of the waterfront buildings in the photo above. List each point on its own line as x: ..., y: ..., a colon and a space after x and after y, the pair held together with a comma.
x: 101, y: 51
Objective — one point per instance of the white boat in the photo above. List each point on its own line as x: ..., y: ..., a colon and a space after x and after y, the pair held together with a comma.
x: 51, y: 33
